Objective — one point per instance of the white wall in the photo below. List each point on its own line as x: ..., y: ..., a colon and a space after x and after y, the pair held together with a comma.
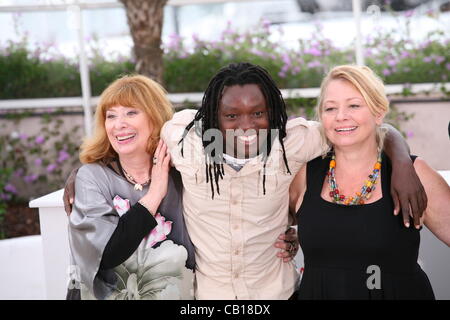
x: 22, y: 269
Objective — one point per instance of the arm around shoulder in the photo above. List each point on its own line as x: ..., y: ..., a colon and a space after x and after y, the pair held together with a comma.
x: 437, y: 214
x: 304, y: 140
x: 173, y: 130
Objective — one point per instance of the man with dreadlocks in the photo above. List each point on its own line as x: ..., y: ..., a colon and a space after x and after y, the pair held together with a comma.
x: 236, y: 187
x: 236, y: 203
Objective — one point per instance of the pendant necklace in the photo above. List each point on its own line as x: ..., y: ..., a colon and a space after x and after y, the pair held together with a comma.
x: 137, y: 186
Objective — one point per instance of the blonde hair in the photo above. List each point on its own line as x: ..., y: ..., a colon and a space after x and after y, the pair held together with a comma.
x: 131, y: 91
x: 368, y: 84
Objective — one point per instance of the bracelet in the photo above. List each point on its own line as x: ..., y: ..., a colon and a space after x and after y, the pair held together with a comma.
x: 146, y: 207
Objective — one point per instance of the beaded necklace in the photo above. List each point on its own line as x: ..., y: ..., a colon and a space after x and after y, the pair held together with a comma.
x: 360, y: 197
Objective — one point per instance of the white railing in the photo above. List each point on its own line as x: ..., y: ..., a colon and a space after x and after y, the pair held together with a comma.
x: 196, y: 97
x: 434, y: 255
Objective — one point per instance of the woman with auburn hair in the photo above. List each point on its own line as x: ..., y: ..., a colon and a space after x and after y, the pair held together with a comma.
x: 127, y: 234
x: 138, y: 92
x: 353, y: 247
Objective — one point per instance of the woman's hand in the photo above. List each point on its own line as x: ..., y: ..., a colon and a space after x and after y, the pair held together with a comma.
x: 159, y: 179
x: 288, y: 243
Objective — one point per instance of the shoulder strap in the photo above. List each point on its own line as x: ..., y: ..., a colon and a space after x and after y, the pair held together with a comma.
x: 315, y: 173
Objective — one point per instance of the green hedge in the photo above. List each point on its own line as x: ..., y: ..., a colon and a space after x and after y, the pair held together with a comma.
x: 26, y: 74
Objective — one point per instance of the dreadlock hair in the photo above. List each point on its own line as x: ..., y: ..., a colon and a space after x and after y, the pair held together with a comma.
x: 238, y: 74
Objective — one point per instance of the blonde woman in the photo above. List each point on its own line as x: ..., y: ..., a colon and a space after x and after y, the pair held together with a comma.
x: 127, y: 234
x: 353, y: 247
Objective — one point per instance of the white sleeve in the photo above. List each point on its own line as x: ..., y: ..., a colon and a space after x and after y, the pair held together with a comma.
x: 304, y: 140
x: 172, y: 132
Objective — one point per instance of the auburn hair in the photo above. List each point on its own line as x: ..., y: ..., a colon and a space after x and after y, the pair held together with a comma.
x: 134, y: 91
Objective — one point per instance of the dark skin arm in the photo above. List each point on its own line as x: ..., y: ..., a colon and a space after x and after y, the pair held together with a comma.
x: 407, y: 191
x: 69, y: 191
x: 288, y: 243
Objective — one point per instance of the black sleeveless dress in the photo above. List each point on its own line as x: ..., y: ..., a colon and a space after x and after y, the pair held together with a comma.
x: 344, y: 245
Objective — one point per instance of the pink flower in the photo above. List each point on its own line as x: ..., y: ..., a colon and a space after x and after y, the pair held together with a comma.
x: 286, y: 59
x: 266, y: 23
x: 5, y: 197
x: 285, y: 68
x: 314, y: 64
x: 160, y: 232
x: 314, y: 51
x: 439, y: 59
x: 257, y: 52
x: 18, y: 173
x: 409, y: 13
x: 405, y: 54
x: 10, y: 188
x: 51, y: 167
x: 38, y: 161
x: 121, y: 205
x: 39, y: 140
x: 63, y: 156
x: 30, y: 178
x: 175, y: 42
x: 392, y: 62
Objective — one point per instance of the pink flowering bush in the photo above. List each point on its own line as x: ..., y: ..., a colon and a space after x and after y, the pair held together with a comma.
x: 34, y: 165
x: 396, y: 60
x: 189, y: 65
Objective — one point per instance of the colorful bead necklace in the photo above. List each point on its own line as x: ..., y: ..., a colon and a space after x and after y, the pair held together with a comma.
x: 366, y: 189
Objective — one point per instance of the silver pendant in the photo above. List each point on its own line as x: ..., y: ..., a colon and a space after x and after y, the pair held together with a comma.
x: 137, y: 187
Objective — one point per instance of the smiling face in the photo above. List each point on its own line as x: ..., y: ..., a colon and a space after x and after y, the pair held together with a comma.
x: 128, y: 130
x: 243, y: 107
x: 346, y: 118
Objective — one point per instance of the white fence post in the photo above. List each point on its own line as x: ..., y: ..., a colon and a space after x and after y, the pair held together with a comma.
x: 76, y: 23
x: 358, y: 41
x: 55, y: 244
